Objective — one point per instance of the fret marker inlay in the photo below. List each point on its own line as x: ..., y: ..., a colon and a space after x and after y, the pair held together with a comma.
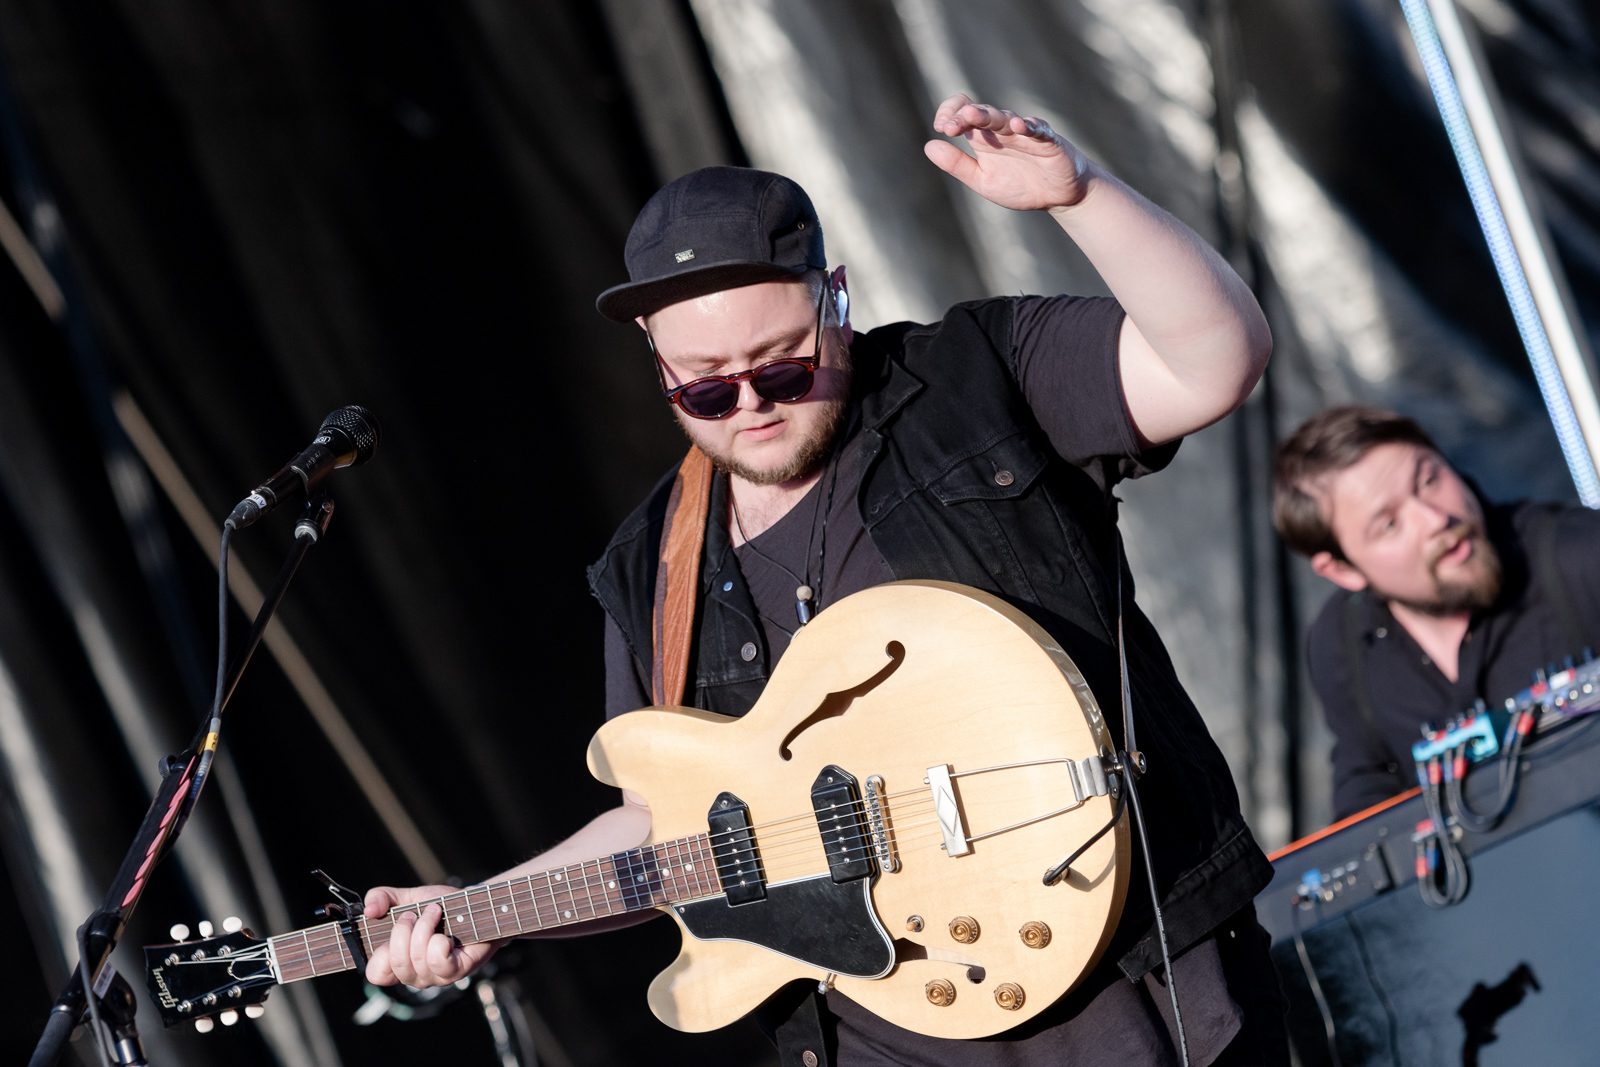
x: 648, y: 877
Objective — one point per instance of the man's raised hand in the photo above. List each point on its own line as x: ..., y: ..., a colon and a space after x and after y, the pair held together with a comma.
x: 1019, y: 163
x: 416, y: 954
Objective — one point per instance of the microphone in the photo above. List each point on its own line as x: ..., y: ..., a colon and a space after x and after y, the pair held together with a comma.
x: 346, y: 438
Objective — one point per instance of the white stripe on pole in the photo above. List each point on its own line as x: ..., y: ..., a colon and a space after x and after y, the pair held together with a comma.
x: 1520, y: 257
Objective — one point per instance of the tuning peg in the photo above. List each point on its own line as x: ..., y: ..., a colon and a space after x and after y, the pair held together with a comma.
x: 254, y: 1011
x: 206, y: 929
x: 232, y: 924
x: 204, y: 1025
x: 229, y: 1017
x: 179, y: 932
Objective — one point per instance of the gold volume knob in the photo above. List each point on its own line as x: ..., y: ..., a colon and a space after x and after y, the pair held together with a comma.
x: 1035, y: 934
x: 964, y: 928
x: 941, y: 993
x: 1009, y: 996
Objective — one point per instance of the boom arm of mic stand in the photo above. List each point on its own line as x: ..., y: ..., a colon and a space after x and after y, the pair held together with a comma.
x: 307, y: 532
x: 182, y: 780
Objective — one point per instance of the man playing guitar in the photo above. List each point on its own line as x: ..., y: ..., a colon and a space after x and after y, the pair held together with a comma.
x: 981, y: 450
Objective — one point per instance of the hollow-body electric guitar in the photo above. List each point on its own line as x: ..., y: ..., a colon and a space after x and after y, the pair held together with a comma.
x: 880, y: 821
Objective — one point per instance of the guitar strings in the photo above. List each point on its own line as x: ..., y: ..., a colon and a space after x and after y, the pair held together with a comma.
x: 779, y: 856
x: 782, y: 861
x: 776, y: 859
x: 328, y: 936
x: 855, y: 807
x: 773, y: 847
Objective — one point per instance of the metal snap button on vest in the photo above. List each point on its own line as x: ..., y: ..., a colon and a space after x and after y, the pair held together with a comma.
x: 727, y: 586
x: 1003, y: 478
x: 748, y: 652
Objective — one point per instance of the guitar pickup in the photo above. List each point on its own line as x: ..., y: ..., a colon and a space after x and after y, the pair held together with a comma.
x: 734, y: 847
x: 837, y: 802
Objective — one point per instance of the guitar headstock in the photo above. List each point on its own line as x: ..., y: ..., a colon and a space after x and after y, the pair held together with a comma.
x: 210, y: 977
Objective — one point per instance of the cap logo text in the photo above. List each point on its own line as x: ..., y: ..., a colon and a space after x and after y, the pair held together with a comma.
x: 685, y: 256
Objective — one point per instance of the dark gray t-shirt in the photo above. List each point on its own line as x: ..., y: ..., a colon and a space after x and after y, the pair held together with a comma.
x: 1066, y: 349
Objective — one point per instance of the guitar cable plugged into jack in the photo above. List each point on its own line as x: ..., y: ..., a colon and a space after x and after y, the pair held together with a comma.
x: 1121, y: 763
x: 1130, y: 761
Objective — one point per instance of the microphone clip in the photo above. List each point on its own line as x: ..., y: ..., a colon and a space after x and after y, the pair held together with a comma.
x: 318, y: 514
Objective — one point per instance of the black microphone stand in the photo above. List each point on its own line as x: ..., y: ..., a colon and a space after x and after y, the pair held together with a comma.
x: 95, y: 990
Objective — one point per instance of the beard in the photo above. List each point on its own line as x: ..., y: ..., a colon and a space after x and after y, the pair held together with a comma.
x: 811, y: 452
x: 1453, y: 597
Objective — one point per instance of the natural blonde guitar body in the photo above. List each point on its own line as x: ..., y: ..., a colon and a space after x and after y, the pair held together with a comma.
x: 979, y: 685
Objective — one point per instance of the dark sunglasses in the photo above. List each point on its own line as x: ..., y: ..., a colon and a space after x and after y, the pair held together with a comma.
x: 782, y: 381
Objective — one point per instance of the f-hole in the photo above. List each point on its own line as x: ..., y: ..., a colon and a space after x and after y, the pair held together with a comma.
x: 835, y: 704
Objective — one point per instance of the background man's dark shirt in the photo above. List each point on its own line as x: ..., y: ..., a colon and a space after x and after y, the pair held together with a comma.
x: 1527, y: 629
x: 1069, y: 372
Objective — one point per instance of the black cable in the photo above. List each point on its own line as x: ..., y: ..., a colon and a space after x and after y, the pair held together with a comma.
x: 1132, y: 765
x: 1457, y: 877
x: 222, y: 618
x: 1427, y: 850
x: 1316, y: 987
x: 1161, y: 925
x: 1510, y: 764
x: 208, y: 748
x: 95, y: 1023
x: 827, y: 509
x: 816, y: 507
x: 1060, y: 870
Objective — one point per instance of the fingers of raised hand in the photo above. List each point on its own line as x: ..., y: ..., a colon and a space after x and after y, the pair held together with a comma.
x: 1034, y: 127
x: 944, y: 118
x: 958, y: 116
x: 987, y: 119
x: 952, y: 160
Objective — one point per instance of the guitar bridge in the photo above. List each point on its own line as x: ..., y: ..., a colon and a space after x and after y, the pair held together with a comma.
x: 877, y: 827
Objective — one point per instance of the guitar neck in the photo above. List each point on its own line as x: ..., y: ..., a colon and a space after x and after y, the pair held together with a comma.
x: 649, y: 877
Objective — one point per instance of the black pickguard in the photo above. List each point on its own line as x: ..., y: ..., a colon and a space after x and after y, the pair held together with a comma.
x: 815, y: 920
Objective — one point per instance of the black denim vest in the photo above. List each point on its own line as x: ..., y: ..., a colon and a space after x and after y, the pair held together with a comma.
x: 959, y: 483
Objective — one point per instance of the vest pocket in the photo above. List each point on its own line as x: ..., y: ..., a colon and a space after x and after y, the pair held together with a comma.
x: 1005, y: 469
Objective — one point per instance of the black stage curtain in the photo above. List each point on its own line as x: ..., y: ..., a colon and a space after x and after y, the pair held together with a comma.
x: 276, y: 209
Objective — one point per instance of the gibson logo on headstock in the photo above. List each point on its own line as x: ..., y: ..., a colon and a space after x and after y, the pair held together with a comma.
x: 158, y: 985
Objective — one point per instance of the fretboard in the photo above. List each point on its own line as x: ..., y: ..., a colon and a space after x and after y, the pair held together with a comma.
x: 648, y: 877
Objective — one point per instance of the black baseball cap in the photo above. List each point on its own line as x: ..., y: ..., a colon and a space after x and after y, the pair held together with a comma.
x: 713, y: 229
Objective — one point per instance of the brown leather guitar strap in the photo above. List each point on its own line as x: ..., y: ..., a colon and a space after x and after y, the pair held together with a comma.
x: 683, y: 538
x: 795, y: 1026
